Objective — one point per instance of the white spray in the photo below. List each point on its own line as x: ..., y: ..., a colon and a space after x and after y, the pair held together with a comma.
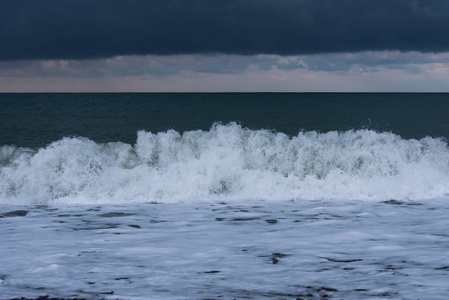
x: 227, y: 163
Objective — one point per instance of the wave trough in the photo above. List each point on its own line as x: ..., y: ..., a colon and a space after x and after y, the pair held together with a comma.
x: 227, y: 163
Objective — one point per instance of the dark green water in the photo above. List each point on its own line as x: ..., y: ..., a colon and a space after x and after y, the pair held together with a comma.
x: 34, y: 120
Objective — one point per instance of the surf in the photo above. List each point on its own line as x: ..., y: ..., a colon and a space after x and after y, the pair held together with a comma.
x: 227, y: 163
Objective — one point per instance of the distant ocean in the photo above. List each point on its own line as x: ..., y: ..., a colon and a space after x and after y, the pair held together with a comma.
x: 224, y: 196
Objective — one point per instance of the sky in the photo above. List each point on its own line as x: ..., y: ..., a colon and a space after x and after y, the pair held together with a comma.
x: 224, y: 46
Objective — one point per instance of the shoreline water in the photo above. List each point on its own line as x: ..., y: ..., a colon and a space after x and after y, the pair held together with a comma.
x: 346, y: 249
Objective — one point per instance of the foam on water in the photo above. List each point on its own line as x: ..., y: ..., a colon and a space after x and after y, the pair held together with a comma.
x: 227, y: 163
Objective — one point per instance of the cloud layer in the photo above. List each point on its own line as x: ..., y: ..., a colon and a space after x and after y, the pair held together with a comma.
x: 80, y: 29
x: 386, y: 71
x: 166, y: 65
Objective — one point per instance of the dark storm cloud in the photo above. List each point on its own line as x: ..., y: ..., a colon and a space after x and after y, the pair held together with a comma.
x: 77, y: 29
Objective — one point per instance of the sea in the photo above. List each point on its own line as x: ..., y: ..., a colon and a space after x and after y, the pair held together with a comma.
x: 224, y: 196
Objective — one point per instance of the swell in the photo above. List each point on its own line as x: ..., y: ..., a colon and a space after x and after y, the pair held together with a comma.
x: 227, y: 163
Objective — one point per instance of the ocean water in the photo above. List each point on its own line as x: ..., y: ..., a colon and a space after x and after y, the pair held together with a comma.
x: 219, y: 196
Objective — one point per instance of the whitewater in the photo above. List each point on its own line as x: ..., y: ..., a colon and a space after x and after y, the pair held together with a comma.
x: 227, y: 163
x: 227, y: 213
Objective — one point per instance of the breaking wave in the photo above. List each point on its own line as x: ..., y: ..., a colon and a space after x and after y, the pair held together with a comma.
x: 227, y: 163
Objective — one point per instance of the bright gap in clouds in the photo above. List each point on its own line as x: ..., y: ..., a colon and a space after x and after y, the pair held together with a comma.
x: 383, y: 71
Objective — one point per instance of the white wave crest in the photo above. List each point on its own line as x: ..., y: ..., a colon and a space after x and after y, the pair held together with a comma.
x: 227, y: 163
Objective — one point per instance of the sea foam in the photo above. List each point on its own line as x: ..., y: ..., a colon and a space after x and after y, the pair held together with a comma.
x: 227, y: 163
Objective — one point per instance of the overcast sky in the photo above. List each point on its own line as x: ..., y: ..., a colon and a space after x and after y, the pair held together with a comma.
x: 224, y: 45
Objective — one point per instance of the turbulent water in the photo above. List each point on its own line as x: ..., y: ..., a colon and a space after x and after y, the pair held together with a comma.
x: 224, y: 196
x: 229, y: 163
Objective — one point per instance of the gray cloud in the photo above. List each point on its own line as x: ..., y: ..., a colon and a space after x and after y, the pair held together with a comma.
x: 162, y: 66
x: 82, y: 29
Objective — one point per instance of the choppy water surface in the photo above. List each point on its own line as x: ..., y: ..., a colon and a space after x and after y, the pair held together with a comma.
x: 305, y: 250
